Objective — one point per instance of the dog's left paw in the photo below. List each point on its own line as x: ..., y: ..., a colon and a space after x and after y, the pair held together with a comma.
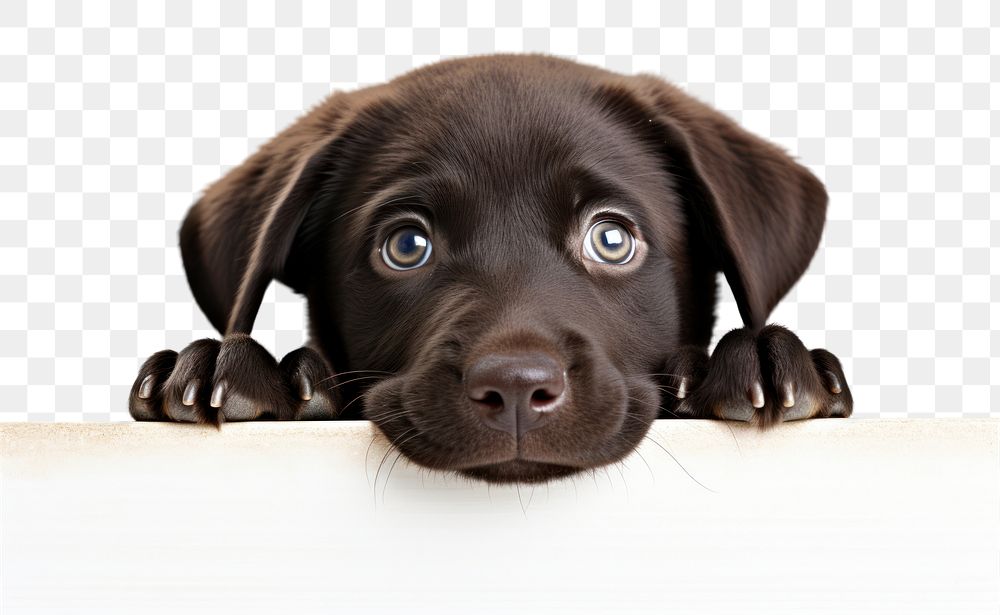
x: 765, y: 377
x: 234, y: 379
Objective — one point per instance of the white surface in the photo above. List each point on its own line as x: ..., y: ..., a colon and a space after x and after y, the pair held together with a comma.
x: 834, y: 516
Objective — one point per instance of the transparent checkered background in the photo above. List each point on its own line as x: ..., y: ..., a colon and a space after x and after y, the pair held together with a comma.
x: 113, y: 118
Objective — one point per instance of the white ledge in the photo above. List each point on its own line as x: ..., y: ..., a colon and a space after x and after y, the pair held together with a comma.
x: 826, y: 516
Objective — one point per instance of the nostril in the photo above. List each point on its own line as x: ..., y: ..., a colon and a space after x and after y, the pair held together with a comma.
x: 491, y: 399
x: 515, y: 392
x: 543, y: 397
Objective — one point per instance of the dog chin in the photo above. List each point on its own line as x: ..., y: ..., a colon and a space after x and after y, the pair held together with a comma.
x: 519, y: 471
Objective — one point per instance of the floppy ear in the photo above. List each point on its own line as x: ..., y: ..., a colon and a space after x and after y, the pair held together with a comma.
x: 245, y: 230
x: 763, y: 212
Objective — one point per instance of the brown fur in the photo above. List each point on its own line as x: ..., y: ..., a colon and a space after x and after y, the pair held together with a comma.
x: 497, y: 153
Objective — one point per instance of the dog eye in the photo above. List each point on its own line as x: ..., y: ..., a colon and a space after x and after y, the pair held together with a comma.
x: 406, y: 248
x: 609, y: 242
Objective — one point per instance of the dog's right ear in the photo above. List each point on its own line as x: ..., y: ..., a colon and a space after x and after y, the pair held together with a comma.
x: 760, y: 212
x: 243, y: 232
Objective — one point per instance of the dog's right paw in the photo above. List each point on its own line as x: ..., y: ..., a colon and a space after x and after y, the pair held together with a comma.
x: 235, y: 379
x: 765, y: 377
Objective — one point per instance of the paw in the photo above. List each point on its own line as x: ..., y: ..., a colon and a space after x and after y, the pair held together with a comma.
x: 235, y: 379
x: 765, y: 378
x: 682, y: 374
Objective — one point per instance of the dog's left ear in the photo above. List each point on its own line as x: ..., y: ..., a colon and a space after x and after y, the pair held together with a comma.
x: 252, y: 226
x: 759, y: 212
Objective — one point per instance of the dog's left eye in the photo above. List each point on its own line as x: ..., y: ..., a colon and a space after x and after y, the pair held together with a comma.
x: 406, y: 248
x: 609, y: 242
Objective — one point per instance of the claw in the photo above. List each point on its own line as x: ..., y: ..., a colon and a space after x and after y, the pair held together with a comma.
x: 682, y: 388
x: 833, y: 382
x: 305, y: 387
x: 191, y: 393
x: 788, y: 395
x: 146, y: 388
x: 757, y: 395
x: 218, y: 395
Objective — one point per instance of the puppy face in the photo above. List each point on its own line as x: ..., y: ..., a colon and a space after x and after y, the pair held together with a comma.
x: 525, y: 329
x: 515, y: 243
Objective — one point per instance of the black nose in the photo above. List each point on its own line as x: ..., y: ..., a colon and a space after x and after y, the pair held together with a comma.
x: 515, y: 392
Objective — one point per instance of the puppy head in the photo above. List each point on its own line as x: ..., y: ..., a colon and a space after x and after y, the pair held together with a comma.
x: 519, y: 242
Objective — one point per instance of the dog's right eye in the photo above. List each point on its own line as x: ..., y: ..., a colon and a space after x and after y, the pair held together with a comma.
x: 406, y: 248
x: 609, y: 242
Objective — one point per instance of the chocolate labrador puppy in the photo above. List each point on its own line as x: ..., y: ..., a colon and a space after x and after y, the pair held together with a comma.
x: 510, y: 261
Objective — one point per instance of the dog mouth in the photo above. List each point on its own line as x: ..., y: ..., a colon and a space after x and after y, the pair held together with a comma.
x: 592, y: 430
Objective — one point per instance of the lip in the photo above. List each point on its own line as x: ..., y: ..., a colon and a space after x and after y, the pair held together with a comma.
x: 519, y: 471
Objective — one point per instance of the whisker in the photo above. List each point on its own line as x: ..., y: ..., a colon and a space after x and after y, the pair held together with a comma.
x: 367, y: 452
x: 732, y: 432
x: 344, y: 409
x: 667, y: 388
x: 389, y: 474
x: 679, y: 464
x: 365, y: 371
x: 637, y: 400
x: 355, y: 371
x: 393, y: 413
x: 340, y: 384
x: 394, y: 462
x: 387, y: 415
x: 319, y: 382
x: 389, y: 449
x: 648, y: 467
x: 672, y: 413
